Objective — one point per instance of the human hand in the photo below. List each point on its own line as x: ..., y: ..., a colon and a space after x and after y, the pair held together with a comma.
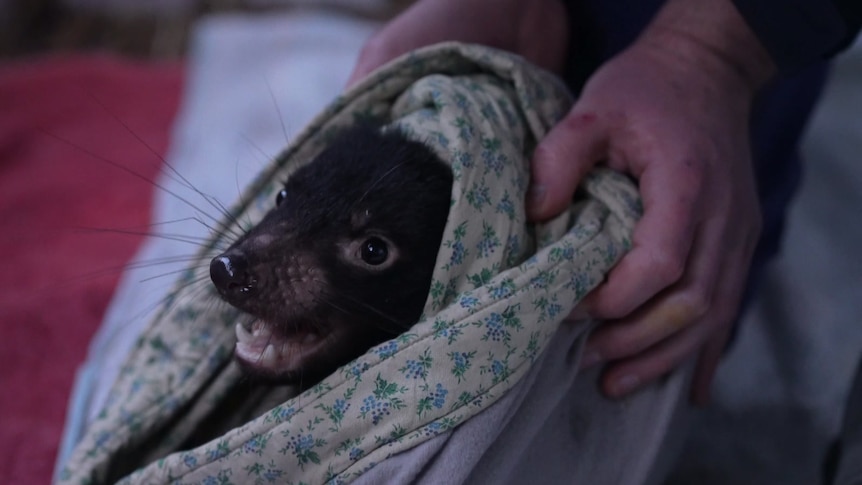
x: 537, y: 30
x: 672, y: 111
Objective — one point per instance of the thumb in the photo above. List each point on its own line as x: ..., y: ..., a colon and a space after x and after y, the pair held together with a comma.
x: 562, y: 159
x: 376, y: 52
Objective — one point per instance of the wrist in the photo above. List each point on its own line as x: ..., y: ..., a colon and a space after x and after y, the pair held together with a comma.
x: 712, y: 35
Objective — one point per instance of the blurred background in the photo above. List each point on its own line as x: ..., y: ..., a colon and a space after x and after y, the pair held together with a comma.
x: 156, y: 29
x: 95, y: 95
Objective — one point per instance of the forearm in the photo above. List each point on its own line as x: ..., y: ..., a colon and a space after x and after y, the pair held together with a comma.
x: 711, y: 35
x: 535, y: 29
x: 487, y: 22
x: 798, y: 33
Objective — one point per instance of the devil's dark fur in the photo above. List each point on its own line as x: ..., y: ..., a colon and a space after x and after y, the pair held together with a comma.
x: 303, y: 268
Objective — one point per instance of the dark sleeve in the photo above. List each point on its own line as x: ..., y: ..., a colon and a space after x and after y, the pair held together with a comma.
x: 798, y: 33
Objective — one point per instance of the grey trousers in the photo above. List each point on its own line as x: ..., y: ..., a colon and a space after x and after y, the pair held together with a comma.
x: 554, y: 427
x: 850, y: 457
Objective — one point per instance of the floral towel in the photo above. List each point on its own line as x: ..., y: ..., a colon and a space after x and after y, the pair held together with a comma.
x: 500, y: 290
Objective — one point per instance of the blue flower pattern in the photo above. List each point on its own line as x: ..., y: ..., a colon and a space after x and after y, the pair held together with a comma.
x: 403, y: 391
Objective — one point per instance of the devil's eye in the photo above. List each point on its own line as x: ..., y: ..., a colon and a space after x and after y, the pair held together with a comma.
x: 279, y: 198
x: 374, y: 251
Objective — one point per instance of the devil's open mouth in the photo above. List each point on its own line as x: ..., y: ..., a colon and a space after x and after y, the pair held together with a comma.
x: 270, y: 350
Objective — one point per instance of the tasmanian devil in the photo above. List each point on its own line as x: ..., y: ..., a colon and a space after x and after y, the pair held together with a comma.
x: 344, y: 259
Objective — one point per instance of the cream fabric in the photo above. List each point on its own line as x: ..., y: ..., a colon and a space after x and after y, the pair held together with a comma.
x: 500, y: 291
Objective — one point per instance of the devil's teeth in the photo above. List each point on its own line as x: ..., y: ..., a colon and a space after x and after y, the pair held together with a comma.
x: 242, y: 334
x: 268, y: 357
x: 258, y: 344
x: 261, y: 330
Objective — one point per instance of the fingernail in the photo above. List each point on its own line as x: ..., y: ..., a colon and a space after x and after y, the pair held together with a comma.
x: 625, y: 385
x: 590, y: 359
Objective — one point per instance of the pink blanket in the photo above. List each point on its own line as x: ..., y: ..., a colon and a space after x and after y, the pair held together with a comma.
x: 57, y: 279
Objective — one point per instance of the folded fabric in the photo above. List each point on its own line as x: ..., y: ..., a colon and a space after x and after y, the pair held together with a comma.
x: 501, y: 289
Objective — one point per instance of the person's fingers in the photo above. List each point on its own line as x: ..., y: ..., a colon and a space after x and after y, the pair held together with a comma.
x: 723, y: 317
x: 692, y: 315
x: 707, y: 364
x: 671, y: 194
x: 376, y: 52
x: 561, y: 159
x: 678, y: 307
x: 628, y: 375
x: 667, y: 315
x: 421, y: 24
x: 537, y: 30
x: 543, y: 20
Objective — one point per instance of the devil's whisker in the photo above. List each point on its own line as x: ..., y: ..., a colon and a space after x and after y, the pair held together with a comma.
x: 150, y: 263
x: 195, y: 240
x: 377, y: 182
x: 398, y: 327
x: 174, y: 173
x: 131, y: 172
x: 170, y: 273
x: 327, y: 293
